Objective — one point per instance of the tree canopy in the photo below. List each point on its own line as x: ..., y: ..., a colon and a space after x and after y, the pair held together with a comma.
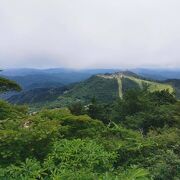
x: 134, y: 138
x: 8, y: 85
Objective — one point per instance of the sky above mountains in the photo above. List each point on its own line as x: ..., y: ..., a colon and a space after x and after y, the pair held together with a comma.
x: 89, y: 33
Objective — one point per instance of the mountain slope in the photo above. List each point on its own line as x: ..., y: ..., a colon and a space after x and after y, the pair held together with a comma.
x: 104, y: 87
x: 108, y: 87
x: 49, y: 78
x: 127, y: 80
x: 176, y: 84
x: 37, y: 95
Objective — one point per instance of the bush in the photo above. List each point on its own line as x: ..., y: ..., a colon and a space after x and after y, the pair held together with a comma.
x: 79, y: 154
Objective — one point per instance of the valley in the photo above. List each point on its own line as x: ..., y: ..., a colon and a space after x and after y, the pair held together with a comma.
x: 104, y: 87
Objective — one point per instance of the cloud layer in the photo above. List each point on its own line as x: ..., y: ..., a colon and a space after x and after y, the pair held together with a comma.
x: 89, y: 33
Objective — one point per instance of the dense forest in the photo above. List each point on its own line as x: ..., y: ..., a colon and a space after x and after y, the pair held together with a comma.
x: 136, y: 137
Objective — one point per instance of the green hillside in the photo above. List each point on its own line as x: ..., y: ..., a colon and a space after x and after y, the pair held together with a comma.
x: 105, y: 88
x: 37, y: 95
x: 176, y: 85
x: 128, y: 81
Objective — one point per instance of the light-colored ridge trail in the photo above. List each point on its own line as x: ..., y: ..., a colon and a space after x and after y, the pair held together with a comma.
x: 118, y: 77
x: 152, y: 86
x: 119, y: 80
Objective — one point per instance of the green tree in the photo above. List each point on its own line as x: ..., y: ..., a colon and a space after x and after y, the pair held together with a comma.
x: 78, y: 155
x: 30, y: 169
x: 8, y: 85
x: 77, y: 108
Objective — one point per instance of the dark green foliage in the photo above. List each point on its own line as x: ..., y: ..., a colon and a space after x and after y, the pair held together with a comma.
x: 11, y: 111
x: 79, y: 154
x: 142, y: 110
x: 176, y: 84
x: 77, y: 108
x: 128, y: 84
x: 166, y: 166
x: 30, y: 169
x: 26, y: 137
x: 134, y: 101
x: 99, y: 111
x: 134, y: 138
x: 104, y: 90
x: 160, y: 117
x: 8, y: 85
x: 162, y: 97
x: 34, y: 96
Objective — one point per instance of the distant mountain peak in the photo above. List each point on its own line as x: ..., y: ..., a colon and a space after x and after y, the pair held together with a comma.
x: 104, y: 87
x: 128, y: 80
x: 120, y: 74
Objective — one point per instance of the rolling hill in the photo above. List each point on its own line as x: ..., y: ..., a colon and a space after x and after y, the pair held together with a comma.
x: 37, y: 95
x: 35, y: 81
x: 107, y: 87
x: 30, y: 79
x: 104, y: 87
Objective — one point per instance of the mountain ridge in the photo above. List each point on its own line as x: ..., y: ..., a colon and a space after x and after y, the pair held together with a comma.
x: 104, y: 87
x: 141, y: 81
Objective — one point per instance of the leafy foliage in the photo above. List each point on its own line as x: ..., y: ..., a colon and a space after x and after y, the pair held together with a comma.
x: 79, y: 154
x: 104, y: 90
x: 134, y: 138
x: 8, y: 85
x: 11, y: 111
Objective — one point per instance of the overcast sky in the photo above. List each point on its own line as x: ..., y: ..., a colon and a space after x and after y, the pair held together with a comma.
x: 89, y: 33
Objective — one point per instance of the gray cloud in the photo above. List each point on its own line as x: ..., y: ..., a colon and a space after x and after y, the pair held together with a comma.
x: 89, y: 33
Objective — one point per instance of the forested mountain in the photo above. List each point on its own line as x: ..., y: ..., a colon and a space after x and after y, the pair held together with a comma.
x: 108, y: 87
x: 49, y: 78
x: 34, y: 80
x: 105, y: 88
x: 46, y: 78
x: 37, y: 95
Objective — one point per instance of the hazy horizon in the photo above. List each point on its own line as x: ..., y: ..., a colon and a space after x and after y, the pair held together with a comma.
x: 85, y: 34
x: 95, y: 68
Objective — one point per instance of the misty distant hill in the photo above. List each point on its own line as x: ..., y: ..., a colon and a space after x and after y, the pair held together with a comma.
x: 159, y: 74
x: 104, y: 87
x: 49, y: 83
x: 49, y: 78
x: 108, y: 87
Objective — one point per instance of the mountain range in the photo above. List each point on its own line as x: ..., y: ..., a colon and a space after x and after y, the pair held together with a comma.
x: 104, y: 87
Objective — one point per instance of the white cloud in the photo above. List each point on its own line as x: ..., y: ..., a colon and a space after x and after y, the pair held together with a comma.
x: 89, y: 33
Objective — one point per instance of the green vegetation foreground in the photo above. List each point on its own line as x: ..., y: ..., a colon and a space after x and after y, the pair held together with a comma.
x: 136, y: 138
